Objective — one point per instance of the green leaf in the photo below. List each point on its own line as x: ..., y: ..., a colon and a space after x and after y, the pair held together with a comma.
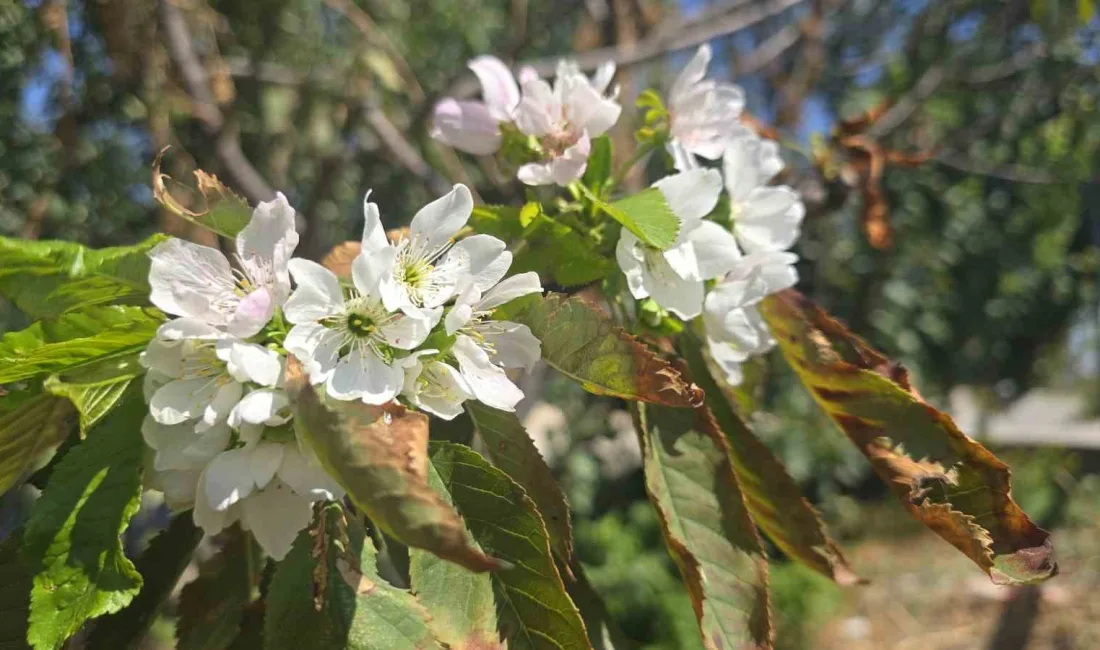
x: 45, y: 279
x: 211, y: 606
x: 599, y: 165
x: 544, y: 245
x: 603, y: 632
x: 533, y: 607
x: 160, y: 566
x: 586, y: 346
x: 76, y: 339
x: 96, y: 389
x: 774, y: 501
x: 706, y: 525
x: 379, y: 455
x: 16, y: 578
x: 439, y: 585
x: 327, y: 595
x: 647, y: 215
x: 952, y: 484
x: 33, y: 427
x: 511, y: 450
x: 1086, y: 10
x: 222, y: 211
x: 72, y: 537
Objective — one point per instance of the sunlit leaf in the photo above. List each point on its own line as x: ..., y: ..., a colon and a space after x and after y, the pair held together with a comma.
x: 511, y: 450
x: 586, y: 346
x: 327, y: 595
x: 221, y: 210
x: 533, y: 607
x: 32, y: 424
x: 952, y: 484
x: 706, y: 525
x: 379, y: 455
x: 775, y: 503
x: 95, y: 389
x: 75, y: 340
x: 160, y: 566
x: 647, y: 215
x: 72, y: 536
x: 47, y: 278
x: 212, y: 605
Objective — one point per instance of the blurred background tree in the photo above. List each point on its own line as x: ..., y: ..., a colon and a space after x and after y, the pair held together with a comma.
x: 948, y: 151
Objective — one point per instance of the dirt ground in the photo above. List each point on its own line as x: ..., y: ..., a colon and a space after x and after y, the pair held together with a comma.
x: 924, y: 595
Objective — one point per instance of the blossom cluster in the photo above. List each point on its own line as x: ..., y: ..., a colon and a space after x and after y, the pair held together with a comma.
x: 712, y: 271
x: 414, y: 323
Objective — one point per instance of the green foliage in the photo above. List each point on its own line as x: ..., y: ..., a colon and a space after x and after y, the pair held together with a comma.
x: 32, y: 424
x: 534, y: 609
x: 545, y: 245
x: 379, y: 455
x: 212, y: 606
x: 598, y: 171
x: 76, y: 339
x: 95, y: 389
x: 773, y: 499
x: 706, y: 526
x: 46, y: 279
x: 647, y: 215
x: 160, y: 566
x: 511, y: 449
x: 16, y: 579
x: 585, y: 345
x: 72, y: 537
x: 222, y: 211
x: 327, y: 594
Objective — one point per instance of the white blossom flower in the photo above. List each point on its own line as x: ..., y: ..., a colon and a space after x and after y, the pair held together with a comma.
x: 474, y: 127
x: 267, y: 485
x: 564, y: 118
x: 198, y: 282
x: 347, y: 338
x: 735, y: 330
x: 425, y: 268
x: 198, y: 372
x: 704, y: 115
x: 436, y: 387
x: 765, y: 217
x: 703, y: 249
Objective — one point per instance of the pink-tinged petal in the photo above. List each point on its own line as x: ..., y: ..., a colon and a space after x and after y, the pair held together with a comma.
x: 535, y: 174
x: 253, y: 312
x: 539, y: 110
x: 571, y: 165
x: 466, y: 126
x: 498, y: 86
x: 190, y: 280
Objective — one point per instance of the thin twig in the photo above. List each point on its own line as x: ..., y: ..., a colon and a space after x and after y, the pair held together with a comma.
x: 227, y: 145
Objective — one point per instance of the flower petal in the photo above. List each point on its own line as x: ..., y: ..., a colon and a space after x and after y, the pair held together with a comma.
x: 318, y: 294
x: 253, y: 312
x: 307, y: 478
x: 716, y: 250
x: 630, y: 256
x: 466, y: 126
x: 410, y: 327
x: 268, y: 406
x: 570, y: 166
x: 228, y: 478
x: 487, y: 260
x: 316, y: 346
x: 369, y: 269
x: 251, y: 362
x: 181, y: 400
x: 513, y: 345
x: 509, y: 289
x: 436, y: 223
x: 221, y: 406
x: 272, y: 225
x: 770, y: 219
x: 264, y: 461
x: 211, y: 521
x: 374, y: 234
x: 692, y: 194
x: 487, y: 381
x: 539, y: 108
x: 692, y: 73
x: 276, y: 515
x: 498, y: 86
x: 190, y: 280
x: 536, y: 174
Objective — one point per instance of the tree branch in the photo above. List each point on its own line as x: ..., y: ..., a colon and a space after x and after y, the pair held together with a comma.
x: 227, y: 146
